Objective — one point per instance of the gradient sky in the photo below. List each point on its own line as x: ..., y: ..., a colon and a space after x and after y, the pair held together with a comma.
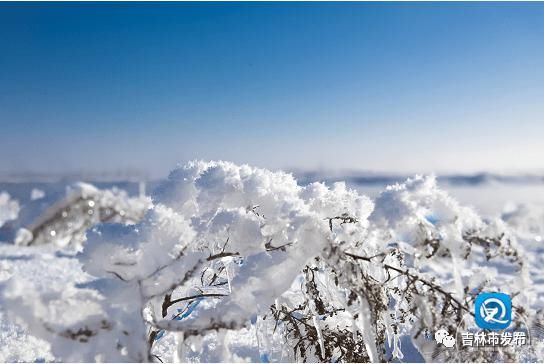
x: 388, y: 87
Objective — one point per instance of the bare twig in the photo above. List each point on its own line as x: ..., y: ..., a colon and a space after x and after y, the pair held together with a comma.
x: 415, y: 278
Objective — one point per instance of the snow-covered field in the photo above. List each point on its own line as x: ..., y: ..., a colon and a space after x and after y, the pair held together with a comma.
x: 248, y: 238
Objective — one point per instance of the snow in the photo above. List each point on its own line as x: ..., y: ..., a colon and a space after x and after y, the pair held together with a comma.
x: 9, y: 209
x: 36, y: 194
x: 46, y: 268
x: 240, y: 238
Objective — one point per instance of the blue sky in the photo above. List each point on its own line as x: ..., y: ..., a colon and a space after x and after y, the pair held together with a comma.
x: 388, y: 87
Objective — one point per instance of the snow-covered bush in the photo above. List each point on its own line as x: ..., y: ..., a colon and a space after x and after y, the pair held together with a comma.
x: 83, y: 206
x: 317, y: 273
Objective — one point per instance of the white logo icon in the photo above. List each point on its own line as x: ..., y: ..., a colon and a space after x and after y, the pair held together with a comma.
x: 444, y: 338
x: 489, y: 313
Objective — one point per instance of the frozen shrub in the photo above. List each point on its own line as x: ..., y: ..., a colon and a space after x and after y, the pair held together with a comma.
x: 67, y: 221
x: 320, y: 273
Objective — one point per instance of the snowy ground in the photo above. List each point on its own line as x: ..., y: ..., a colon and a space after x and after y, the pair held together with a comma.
x: 519, y: 204
x: 44, y: 265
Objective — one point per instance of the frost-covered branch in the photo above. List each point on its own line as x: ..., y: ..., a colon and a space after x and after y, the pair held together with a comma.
x: 324, y: 273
